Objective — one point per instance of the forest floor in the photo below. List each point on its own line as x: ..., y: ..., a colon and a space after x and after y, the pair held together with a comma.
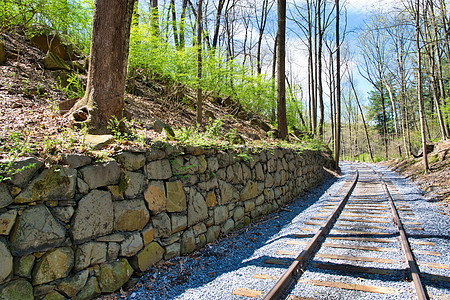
x: 33, y: 122
x: 435, y: 184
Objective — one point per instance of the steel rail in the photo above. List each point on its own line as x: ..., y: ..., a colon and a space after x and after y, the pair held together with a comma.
x: 413, y: 269
x: 301, y: 261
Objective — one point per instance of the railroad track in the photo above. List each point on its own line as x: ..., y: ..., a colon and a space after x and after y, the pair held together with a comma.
x: 357, y: 242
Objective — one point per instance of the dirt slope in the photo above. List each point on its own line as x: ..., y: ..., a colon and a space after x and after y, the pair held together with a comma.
x: 30, y: 97
x: 436, y: 184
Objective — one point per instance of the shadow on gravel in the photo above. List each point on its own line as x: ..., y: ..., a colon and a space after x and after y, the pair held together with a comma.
x: 226, y: 255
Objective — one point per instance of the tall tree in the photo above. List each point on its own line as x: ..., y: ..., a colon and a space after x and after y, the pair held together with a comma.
x: 337, y: 141
x: 199, y: 62
x: 281, y: 71
x: 419, y: 86
x: 374, y: 47
x: 104, y: 96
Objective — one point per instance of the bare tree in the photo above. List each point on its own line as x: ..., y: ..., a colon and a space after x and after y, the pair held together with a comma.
x: 351, y: 80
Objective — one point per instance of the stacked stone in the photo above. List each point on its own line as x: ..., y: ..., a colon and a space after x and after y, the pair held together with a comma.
x: 79, y: 229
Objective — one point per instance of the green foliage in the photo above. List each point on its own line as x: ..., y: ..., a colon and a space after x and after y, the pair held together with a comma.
x: 124, y: 131
x: 15, y: 144
x: 72, y: 18
x: 74, y: 87
x: 151, y: 56
x: 194, y: 135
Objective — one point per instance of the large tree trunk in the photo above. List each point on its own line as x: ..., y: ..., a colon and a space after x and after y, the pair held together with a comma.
x: 419, y: 89
x: 199, y: 63
x: 319, y: 69
x: 281, y: 70
x: 337, y: 142
x: 105, y: 89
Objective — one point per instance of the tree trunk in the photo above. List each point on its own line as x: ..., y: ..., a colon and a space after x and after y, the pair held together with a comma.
x: 419, y: 89
x: 394, y: 109
x: 385, y: 130
x: 199, y: 63
x: 362, y: 117
x: 105, y: 89
x: 154, y: 21
x: 332, y: 94
x: 174, y: 24
x: 182, y: 22
x: 337, y: 143
x: 274, y: 69
x: 281, y: 71
x: 319, y: 69
x: 217, y: 26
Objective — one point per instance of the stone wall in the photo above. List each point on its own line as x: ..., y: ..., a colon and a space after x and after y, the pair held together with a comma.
x: 79, y: 229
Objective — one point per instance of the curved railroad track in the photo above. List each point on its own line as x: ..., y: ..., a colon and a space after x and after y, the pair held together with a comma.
x: 359, y: 237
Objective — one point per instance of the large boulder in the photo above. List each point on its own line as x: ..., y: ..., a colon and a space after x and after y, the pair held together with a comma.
x: 131, y: 245
x: 52, y: 42
x: 130, y: 215
x: 19, y: 289
x: 135, y: 184
x: 54, y: 62
x: 6, y: 262
x: 249, y: 191
x: 7, y: 220
x: 228, y: 192
x: 90, y: 290
x: 5, y: 196
x: 94, y: 216
x: 76, y: 160
x: 90, y: 254
x: 131, y: 161
x: 149, y: 256
x: 70, y: 286
x: 176, y: 198
x: 101, y: 175
x: 23, y: 265
x: 55, y: 264
x: 188, y: 244
x: 52, y: 184
x: 162, y: 226
x: 197, y: 208
x: 155, y: 196
x: 114, y: 275
x: 158, y: 169
x: 24, y: 169
x: 36, y: 230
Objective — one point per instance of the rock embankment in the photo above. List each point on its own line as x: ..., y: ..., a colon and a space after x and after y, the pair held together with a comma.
x: 79, y: 229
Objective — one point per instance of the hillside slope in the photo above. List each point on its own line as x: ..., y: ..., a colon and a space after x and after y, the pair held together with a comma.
x: 34, y: 96
x: 436, y: 184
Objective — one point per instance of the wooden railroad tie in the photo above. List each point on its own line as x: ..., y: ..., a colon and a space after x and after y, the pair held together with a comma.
x: 355, y: 287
